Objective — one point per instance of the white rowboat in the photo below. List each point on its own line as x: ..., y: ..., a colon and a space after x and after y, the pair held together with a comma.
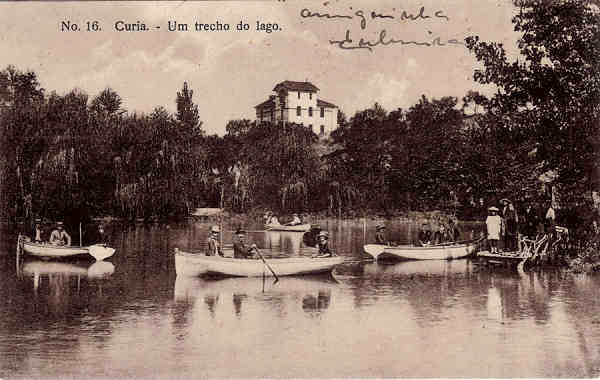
x: 50, y: 251
x: 432, y: 252
x: 281, y: 227
x: 194, y: 264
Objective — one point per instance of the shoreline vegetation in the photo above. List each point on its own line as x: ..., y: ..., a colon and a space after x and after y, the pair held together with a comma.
x: 76, y: 157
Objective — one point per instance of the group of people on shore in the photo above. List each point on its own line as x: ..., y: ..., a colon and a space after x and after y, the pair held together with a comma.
x: 505, y: 224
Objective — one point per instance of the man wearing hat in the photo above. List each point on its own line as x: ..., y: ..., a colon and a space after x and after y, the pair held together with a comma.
x: 323, y: 245
x: 380, y: 235
x: 213, y: 245
x: 493, y: 224
x: 425, y: 234
x: 240, y: 249
x: 59, y: 236
x: 511, y: 225
x: 37, y: 231
x: 295, y: 220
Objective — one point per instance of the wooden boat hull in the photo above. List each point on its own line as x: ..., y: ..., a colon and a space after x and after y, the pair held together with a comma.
x: 296, y: 228
x: 409, y: 252
x: 48, y: 251
x: 189, y: 264
x: 508, y: 258
x: 53, y: 251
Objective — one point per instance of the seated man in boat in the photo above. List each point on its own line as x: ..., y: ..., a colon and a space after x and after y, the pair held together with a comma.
x: 323, y: 245
x: 59, y: 236
x: 37, y: 231
x: 295, y: 221
x: 274, y: 221
x: 241, y: 250
x: 441, y: 236
x: 213, y: 246
x: 311, y: 238
x: 424, y: 235
x: 453, y: 231
x: 380, y: 235
x: 268, y: 216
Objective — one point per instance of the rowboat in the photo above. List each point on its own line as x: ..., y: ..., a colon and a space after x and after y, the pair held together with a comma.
x: 50, y: 251
x: 194, y: 264
x: 282, y: 227
x: 432, y: 252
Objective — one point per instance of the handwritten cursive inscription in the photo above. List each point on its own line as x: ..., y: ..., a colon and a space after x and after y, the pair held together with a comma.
x: 363, y: 17
x: 348, y: 44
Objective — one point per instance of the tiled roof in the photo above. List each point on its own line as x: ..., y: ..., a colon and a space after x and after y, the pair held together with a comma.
x: 269, y: 103
x: 296, y: 86
x: 322, y: 103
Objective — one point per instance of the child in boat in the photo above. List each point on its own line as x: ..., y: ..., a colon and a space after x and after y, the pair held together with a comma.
x: 59, y: 236
x: 493, y: 224
x: 213, y: 246
x: 323, y: 245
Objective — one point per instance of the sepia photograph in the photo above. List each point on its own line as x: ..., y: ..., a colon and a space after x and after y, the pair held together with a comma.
x: 299, y: 189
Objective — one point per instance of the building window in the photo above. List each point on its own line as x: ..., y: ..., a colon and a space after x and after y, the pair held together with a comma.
x: 322, y: 129
x: 298, y: 111
x: 310, y: 111
x: 322, y: 111
x: 298, y: 94
x: 282, y: 114
x: 310, y: 95
x: 272, y: 114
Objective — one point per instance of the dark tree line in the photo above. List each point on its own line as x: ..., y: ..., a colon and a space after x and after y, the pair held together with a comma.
x: 69, y: 154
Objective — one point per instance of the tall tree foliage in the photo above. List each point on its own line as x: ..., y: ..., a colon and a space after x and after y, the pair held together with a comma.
x: 551, y: 93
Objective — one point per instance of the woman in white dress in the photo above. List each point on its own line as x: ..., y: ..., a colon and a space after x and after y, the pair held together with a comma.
x: 493, y: 224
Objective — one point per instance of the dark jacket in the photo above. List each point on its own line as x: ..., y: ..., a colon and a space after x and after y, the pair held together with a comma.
x: 241, y: 250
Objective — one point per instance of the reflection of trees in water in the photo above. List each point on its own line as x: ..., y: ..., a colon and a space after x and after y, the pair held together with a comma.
x: 318, y: 304
x: 181, y: 312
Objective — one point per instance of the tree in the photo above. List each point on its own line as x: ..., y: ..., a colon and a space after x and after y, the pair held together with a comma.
x: 187, y: 112
x: 551, y: 92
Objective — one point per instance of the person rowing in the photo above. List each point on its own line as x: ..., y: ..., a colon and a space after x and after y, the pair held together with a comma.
x: 424, y: 234
x: 59, y: 236
x: 241, y: 250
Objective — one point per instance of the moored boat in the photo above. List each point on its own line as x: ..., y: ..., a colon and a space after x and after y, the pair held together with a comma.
x: 50, y: 251
x: 431, y: 252
x: 53, y: 251
x: 191, y: 264
x: 282, y: 227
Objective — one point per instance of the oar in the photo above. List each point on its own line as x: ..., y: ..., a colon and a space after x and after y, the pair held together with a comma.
x: 267, y: 264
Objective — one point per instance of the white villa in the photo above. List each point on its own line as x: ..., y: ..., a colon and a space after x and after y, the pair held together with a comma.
x: 297, y: 102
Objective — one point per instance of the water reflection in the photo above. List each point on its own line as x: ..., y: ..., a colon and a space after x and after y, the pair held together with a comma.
x: 312, y: 293
x: 409, y: 319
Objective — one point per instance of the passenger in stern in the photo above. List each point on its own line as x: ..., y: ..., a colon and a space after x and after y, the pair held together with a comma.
x: 213, y: 245
x: 324, y: 250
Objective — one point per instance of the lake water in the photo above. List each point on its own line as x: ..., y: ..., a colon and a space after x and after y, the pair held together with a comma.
x: 133, y: 317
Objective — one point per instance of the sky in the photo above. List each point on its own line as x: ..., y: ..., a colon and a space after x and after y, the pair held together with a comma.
x: 232, y: 71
